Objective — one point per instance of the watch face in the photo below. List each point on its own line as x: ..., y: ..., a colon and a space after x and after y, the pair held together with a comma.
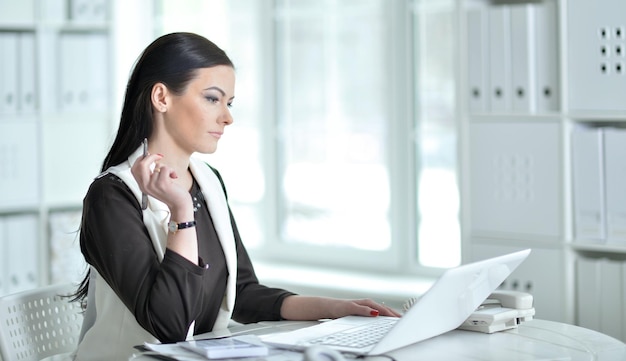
x: 172, y: 226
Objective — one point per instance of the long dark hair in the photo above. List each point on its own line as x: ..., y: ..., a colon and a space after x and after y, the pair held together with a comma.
x: 173, y: 60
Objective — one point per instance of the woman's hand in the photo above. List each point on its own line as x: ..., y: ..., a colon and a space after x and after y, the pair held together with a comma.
x: 364, y: 307
x: 158, y: 182
x: 315, y: 308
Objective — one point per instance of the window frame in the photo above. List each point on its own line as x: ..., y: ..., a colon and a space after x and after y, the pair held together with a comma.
x: 402, y: 255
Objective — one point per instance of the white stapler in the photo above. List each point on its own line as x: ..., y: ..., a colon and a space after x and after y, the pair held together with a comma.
x: 502, y: 310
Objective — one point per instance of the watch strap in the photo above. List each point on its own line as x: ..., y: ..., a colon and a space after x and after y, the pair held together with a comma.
x: 183, y: 225
x: 175, y: 227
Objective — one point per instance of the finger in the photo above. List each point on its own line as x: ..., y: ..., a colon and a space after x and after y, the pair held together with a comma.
x: 388, y: 311
x: 150, y: 159
x: 383, y: 309
x: 365, y: 310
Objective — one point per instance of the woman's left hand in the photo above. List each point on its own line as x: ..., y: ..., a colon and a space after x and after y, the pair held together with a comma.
x: 314, y: 308
x: 364, y: 307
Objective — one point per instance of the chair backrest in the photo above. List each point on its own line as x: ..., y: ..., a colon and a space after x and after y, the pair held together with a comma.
x: 39, y: 323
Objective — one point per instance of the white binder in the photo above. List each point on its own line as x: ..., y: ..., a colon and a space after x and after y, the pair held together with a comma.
x: 588, y: 183
x: 54, y: 11
x: 98, y: 71
x: 27, y: 101
x: 612, y: 304
x: 499, y: 58
x: 8, y: 73
x: 477, y: 60
x: 615, y: 179
x: 80, y: 11
x: 22, y: 259
x: 523, y: 99
x: 547, y: 55
x: 66, y: 260
x: 73, y: 76
x: 588, y: 277
x: 19, y: 156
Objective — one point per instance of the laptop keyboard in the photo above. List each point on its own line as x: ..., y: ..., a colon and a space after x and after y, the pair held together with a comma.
x: 361, y: 336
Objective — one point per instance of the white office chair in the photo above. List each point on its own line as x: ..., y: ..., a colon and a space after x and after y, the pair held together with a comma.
x: 39, y: 323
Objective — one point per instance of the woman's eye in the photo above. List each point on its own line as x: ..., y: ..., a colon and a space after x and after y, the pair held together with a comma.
x: 212, y: 99
x: 230, y: 105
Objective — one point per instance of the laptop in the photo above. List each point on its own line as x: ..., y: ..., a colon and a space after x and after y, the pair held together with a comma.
x: 444, y: 307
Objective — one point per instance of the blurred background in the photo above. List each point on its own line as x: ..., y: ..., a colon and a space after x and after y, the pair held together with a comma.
x: 375, y: 142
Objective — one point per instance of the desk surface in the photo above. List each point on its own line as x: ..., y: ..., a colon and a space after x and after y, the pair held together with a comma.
x: 532, y: 340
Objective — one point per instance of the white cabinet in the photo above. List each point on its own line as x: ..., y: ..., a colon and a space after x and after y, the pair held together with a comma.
x: 56, y: 118
x: 545, y: 150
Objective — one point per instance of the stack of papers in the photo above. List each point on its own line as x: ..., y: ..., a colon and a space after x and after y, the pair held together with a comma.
x: 227, y: 348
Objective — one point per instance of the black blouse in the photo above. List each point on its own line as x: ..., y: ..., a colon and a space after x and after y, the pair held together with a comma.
x: 167, y: 296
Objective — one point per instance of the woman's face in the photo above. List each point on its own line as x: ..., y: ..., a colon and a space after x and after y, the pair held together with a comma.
x: 196, y: 119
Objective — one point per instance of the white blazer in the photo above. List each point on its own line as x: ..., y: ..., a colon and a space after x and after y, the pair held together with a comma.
x: 110, y: 330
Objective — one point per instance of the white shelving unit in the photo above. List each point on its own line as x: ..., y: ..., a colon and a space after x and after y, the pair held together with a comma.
x: 535, y: 72
x: 55, y: 122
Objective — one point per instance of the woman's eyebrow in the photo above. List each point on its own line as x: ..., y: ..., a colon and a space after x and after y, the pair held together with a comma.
x: 218, y: 89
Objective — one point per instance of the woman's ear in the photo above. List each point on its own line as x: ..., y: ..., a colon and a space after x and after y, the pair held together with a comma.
x: 159, y: 97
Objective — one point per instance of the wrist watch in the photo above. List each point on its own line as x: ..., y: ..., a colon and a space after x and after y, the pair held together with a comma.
x: 173, y: 227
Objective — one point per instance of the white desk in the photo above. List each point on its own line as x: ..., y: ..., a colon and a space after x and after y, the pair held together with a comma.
x: 533, y: 340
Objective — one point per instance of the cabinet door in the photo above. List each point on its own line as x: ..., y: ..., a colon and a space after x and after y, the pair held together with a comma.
x: 515, y: 179
x: 595, y: 53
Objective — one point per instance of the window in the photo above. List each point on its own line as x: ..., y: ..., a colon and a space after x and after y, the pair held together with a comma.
x: 343, y: 150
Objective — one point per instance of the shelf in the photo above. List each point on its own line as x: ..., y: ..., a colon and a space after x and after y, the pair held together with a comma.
x: 513, y: 117
x: 598, y: 116
x: 17, y: 26
x: 600, y: 248
x: 83, y: 28
x: 25, y: 209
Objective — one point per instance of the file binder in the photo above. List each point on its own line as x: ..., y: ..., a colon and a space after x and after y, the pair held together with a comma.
x: 588, y: 293
x: 588, y: 183
x: 615, y: 179
x: 8, y: 73
x: 612, y: 304
x: 499, y: 58
x: 98, y: 71
x: 27, y: 73
x: 66, y: 261
x: 21, y: 237
x: 547, y: 56
x: 70, y: 56
x: 19, y: 172
x: 477, y: 59
x: 523, y: 98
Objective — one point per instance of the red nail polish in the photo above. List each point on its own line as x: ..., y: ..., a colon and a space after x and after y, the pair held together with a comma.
x: 374, y: 312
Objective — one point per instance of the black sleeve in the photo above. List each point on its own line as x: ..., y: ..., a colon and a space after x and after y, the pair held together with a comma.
x: 255, y: 302
x: 163, y: 296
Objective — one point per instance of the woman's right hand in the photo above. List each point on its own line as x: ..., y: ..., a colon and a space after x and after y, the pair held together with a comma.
x: 158, y: 181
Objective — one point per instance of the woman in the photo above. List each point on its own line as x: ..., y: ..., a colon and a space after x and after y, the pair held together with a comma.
x: 175, y: 265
